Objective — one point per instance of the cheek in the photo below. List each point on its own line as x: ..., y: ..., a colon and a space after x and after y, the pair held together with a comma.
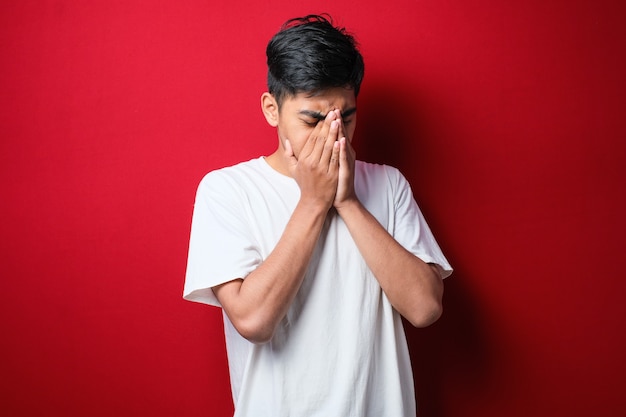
x: 297, y: 138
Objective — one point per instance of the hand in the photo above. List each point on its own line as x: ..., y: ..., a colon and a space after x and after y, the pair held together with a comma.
x: 345, y: 186
x: 316, y: 170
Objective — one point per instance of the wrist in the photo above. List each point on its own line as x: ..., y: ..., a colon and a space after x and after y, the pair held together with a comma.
x: 348, y: 206
x: 314, y: 206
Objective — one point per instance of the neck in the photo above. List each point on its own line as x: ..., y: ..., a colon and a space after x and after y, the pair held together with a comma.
x: 277, y: 162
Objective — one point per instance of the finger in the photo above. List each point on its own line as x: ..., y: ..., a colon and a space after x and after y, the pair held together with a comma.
x: 330, y: 140
x: 341, y: 133
x: 346, y: 152
x: 309, y: 145
x: 333, y: 166
x: 289, y: 150
x: 342, y: 150
x: 292, y: 161
x: 323, y: 139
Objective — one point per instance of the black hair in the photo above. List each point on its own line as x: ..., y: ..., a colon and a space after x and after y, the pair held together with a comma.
x: 310, y: 54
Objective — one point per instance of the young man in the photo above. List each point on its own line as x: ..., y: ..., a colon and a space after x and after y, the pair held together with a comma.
x: 313, y: 255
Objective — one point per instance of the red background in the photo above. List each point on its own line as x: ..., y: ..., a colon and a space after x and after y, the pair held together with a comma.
x: 507, y: 118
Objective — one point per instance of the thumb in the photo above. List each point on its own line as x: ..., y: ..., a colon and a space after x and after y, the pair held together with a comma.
x: 289, y: 153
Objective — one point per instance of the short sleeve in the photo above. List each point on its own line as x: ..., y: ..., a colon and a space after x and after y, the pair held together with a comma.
x: 221, y: 246
x: 410, y: 227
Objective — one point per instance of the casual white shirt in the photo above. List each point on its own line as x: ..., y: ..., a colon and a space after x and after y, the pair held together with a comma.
x: 341, y: 349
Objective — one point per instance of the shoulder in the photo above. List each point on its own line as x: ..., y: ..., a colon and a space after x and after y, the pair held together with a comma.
x: 375, y: 169
x: 229, y: 176
x: 379, y: 173
x: 223, y: 186
x: 233, y: 171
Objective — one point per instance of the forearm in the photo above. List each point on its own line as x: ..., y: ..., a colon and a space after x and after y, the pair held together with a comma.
x: 256, y: 304
x: 413, y: 287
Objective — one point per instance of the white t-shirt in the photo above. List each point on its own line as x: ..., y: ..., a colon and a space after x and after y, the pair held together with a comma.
x: 341, y: 349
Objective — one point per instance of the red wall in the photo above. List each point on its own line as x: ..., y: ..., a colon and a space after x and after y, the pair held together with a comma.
x: 507, y: 118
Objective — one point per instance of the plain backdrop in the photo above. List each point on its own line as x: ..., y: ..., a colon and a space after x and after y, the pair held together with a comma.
x: 508, y: 118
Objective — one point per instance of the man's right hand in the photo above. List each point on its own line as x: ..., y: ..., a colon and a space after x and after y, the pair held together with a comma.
x: 255, y: 305
x: 316, y: 169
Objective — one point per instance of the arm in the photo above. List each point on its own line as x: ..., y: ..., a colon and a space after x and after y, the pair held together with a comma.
x: 257, y: 304
x: 414, y: 288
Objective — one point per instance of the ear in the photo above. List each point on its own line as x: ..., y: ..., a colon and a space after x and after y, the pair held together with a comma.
x: 269, y: 106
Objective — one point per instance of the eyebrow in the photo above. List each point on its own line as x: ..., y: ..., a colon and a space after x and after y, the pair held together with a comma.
x: 319, y: 116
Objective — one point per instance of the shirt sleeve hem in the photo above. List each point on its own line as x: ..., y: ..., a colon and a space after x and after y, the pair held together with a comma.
x: 444, y: 267
x: 203, y: 296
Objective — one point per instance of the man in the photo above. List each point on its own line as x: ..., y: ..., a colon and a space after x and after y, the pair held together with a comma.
x: 313, y: 255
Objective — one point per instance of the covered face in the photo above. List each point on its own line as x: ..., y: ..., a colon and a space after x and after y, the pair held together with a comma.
x: 298, y: 115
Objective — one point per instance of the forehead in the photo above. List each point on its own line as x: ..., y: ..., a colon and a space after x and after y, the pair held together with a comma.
x: 323, y: 101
